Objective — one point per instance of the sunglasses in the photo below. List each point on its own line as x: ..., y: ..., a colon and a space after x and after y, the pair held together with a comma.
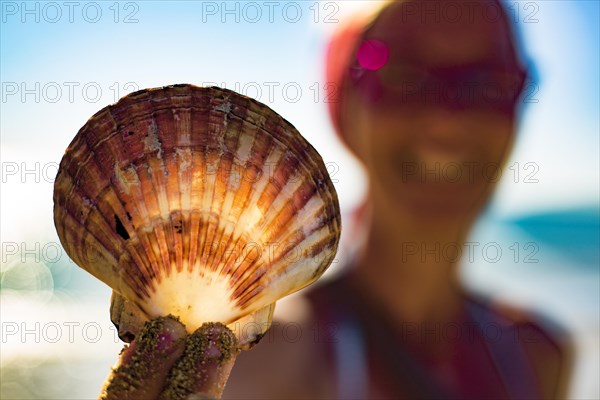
x: 470, y: 87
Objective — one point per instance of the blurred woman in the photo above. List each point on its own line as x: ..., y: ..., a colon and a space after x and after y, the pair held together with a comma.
x: 419, y: 88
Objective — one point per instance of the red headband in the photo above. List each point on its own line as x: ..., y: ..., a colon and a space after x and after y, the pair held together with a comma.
x: 338, y: 57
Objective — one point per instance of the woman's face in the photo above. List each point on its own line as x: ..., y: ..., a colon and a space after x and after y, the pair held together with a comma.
x: 433, y: 126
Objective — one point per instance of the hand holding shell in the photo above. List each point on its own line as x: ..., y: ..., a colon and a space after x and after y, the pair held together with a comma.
x: 198, y: 203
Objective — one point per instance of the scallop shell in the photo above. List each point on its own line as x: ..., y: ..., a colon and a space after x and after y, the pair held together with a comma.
x: 197, y: 202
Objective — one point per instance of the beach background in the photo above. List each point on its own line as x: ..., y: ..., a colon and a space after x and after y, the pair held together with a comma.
x: 62, y: 62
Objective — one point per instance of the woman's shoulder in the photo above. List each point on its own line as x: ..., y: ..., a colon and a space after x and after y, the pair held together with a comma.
x: 548, y: 345
x: 288, y: 362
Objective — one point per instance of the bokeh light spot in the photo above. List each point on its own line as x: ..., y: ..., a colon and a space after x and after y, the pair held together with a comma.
x: 372, y: 54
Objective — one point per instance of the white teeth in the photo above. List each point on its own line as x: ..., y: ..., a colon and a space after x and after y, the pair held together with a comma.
x: 436, y: 157
x: 432, y: 161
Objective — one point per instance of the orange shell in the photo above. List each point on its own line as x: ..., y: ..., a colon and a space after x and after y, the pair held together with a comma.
x: 197, y: 202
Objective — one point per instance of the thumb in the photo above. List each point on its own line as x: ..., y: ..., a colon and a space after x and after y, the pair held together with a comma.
x: 204, y: 368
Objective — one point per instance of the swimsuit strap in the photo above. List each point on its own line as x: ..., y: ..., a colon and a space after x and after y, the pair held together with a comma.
x: 350, y: 360
x: 506, y: 351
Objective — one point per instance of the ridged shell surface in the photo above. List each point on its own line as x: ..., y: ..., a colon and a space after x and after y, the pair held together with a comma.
x: 197, y: 202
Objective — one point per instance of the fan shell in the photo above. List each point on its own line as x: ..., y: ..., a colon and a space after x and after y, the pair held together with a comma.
x: 197, y: 202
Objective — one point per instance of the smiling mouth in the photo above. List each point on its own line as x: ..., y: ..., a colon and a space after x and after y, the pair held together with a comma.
x: 444, y: 174
x: 446, y: 165
x: 430, y: 157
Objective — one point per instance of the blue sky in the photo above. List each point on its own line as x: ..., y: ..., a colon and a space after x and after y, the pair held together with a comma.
x: 188, y: 41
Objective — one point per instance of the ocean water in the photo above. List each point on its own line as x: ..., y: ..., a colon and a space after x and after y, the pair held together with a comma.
x: 550, y: 265
x: 56, y: 326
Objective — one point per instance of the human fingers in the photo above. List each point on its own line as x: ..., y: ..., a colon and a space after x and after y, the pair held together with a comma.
x: 204, y: 368
x: 144, y: 365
